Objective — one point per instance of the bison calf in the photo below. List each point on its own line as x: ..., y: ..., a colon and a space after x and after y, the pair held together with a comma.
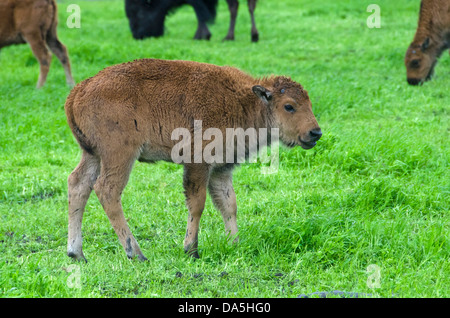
x: 130, y: 111
x: 34, y: 22
x: 431, y: 39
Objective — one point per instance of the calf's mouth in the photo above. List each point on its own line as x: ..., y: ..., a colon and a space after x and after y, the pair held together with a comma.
x: 307, y: 144
x: 420, y: 81
x: 431, y: 72
x: 304, y: 144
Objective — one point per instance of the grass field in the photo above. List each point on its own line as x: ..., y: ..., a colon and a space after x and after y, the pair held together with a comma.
x: 374, y: 191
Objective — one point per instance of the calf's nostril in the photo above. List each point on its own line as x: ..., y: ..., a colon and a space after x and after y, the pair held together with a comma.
x: 315, y: 134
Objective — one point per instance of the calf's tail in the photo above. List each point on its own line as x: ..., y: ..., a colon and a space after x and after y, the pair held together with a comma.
x: 77, y: 132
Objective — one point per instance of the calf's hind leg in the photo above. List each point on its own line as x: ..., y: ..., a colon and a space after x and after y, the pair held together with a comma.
x: 80, y: 184
x: 109, y: 186
x: 61, y: 53
x: 41, y: 53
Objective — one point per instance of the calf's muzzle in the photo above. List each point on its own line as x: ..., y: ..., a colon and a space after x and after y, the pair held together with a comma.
x: 314, y: 135
x: 414, y: 81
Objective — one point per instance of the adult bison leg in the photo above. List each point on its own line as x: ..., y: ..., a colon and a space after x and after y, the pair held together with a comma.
x: 233, y: 7
x: 203, y: 15
x: 220, y: 188
x: 202, y: 32
x: 251, y: 9
x: 114, y: 173
x: 195, y: 181
x: 80, y: 184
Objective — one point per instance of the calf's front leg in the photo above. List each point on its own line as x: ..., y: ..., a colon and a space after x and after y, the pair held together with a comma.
x: 195, y: 182
x: 220, y: 188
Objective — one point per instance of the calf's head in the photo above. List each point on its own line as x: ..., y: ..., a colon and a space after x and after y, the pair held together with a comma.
x: 290, y: 108
x: 419, y: 62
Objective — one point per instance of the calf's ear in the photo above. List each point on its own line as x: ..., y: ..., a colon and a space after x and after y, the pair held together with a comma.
x: 263, y: 93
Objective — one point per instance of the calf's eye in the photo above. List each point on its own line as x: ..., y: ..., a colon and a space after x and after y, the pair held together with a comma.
x: 415, y: 63
x: 289, y: 108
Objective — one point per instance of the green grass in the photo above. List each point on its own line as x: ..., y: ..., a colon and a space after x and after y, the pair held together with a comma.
x: 375, y: 190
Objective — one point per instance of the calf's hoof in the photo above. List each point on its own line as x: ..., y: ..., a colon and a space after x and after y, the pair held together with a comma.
x: 193, y: 254
x: 140, y: 257
x: 77, y: 257
x: 191, y: 251
x: 70, y: 83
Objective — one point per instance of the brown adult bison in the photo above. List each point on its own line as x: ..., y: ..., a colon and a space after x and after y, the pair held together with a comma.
x: 34, y: 22
x: 130, y: 112
x: 431, y: 39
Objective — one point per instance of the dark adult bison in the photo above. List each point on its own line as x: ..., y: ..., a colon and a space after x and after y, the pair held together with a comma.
x: 147, y: 17
x: 131, y: 112
x: 34, y: 22
x: 432, y: 38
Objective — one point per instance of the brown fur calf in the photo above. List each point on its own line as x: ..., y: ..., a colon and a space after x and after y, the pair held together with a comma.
x: 431, y: 39
x: 129, y: 112
x: 35, y: 22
